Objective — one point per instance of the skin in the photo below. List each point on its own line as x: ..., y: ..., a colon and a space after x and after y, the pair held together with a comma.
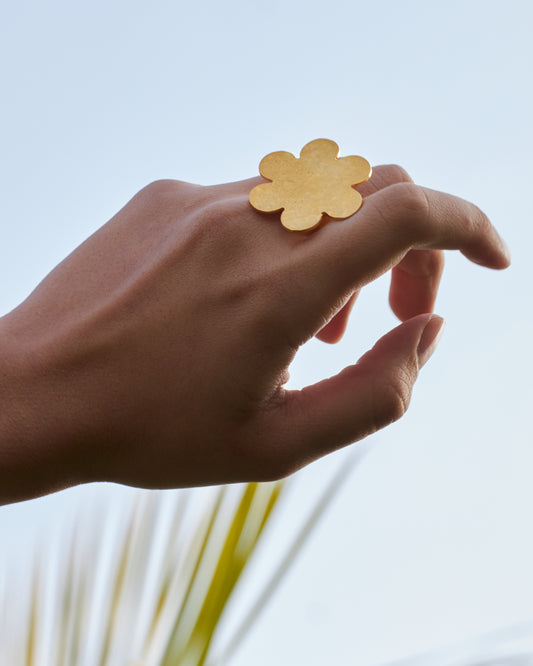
x: 156, y: 354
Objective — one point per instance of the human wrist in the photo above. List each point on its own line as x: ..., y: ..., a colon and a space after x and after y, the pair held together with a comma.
x: 34, y: 457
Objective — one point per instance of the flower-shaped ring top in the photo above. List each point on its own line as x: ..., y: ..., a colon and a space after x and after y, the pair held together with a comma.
x: 317, y: 183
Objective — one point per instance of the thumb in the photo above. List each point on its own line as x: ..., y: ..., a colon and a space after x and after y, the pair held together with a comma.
x: 362, y: 398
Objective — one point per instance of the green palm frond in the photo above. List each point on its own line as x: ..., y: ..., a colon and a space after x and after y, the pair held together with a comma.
x: 157, y: 596
x: 31, y: 640
x: 243, y: 531
x: 286, y: 562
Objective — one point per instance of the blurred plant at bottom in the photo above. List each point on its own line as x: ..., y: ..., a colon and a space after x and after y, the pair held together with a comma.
x: 149, y: 587
x: 152, y: 592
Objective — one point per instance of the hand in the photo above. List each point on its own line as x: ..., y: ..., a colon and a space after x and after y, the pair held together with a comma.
x: 156, y: 353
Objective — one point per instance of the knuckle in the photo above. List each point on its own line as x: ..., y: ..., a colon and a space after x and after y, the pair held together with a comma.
x: 224, y: 217
x: 476, y: 222
x: 164, y: 188
x: 409, y: 205
x: 392, y: 399
x: 217, y: 212
x: 166, y: 196
x: 412, y: 198
x: 214, y: 232
x: 398, y: 174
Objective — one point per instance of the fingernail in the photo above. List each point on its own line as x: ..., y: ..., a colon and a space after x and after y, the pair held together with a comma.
x: 429, y: 339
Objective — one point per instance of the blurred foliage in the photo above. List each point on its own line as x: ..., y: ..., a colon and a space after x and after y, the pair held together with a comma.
x: 173, y: 622
x: 150, y: 587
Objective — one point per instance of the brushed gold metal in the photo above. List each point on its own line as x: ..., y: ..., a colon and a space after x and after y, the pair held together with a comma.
x: 315, y: 184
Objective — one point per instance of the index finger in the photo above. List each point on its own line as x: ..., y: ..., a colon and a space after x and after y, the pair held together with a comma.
x: 393, y: 221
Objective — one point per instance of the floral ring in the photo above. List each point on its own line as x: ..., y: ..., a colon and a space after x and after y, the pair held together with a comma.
x: 315, y: 184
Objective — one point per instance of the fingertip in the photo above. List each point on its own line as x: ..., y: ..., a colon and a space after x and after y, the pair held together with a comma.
x: 334, y: 330
x: 501, y: 258
x: 506, y: 255
x: 328, y: 337
x: 493, y: 253
x: 498, y: 260
x: 429, y: 339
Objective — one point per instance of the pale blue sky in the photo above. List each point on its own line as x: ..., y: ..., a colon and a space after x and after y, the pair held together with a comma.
x: 430, y: 541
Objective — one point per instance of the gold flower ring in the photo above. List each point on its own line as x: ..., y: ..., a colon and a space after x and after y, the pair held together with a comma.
x: 315, y: 184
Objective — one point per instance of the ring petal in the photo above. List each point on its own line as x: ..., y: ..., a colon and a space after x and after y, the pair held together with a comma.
x: 297, y: 219
x: 277, y: 165
x: 344, y: 205
x: 266, y: 198
x: 354, y: 169
x: 319, y: 150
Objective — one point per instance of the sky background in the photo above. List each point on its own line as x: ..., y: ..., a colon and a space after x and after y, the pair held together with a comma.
x: 430, y: 541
